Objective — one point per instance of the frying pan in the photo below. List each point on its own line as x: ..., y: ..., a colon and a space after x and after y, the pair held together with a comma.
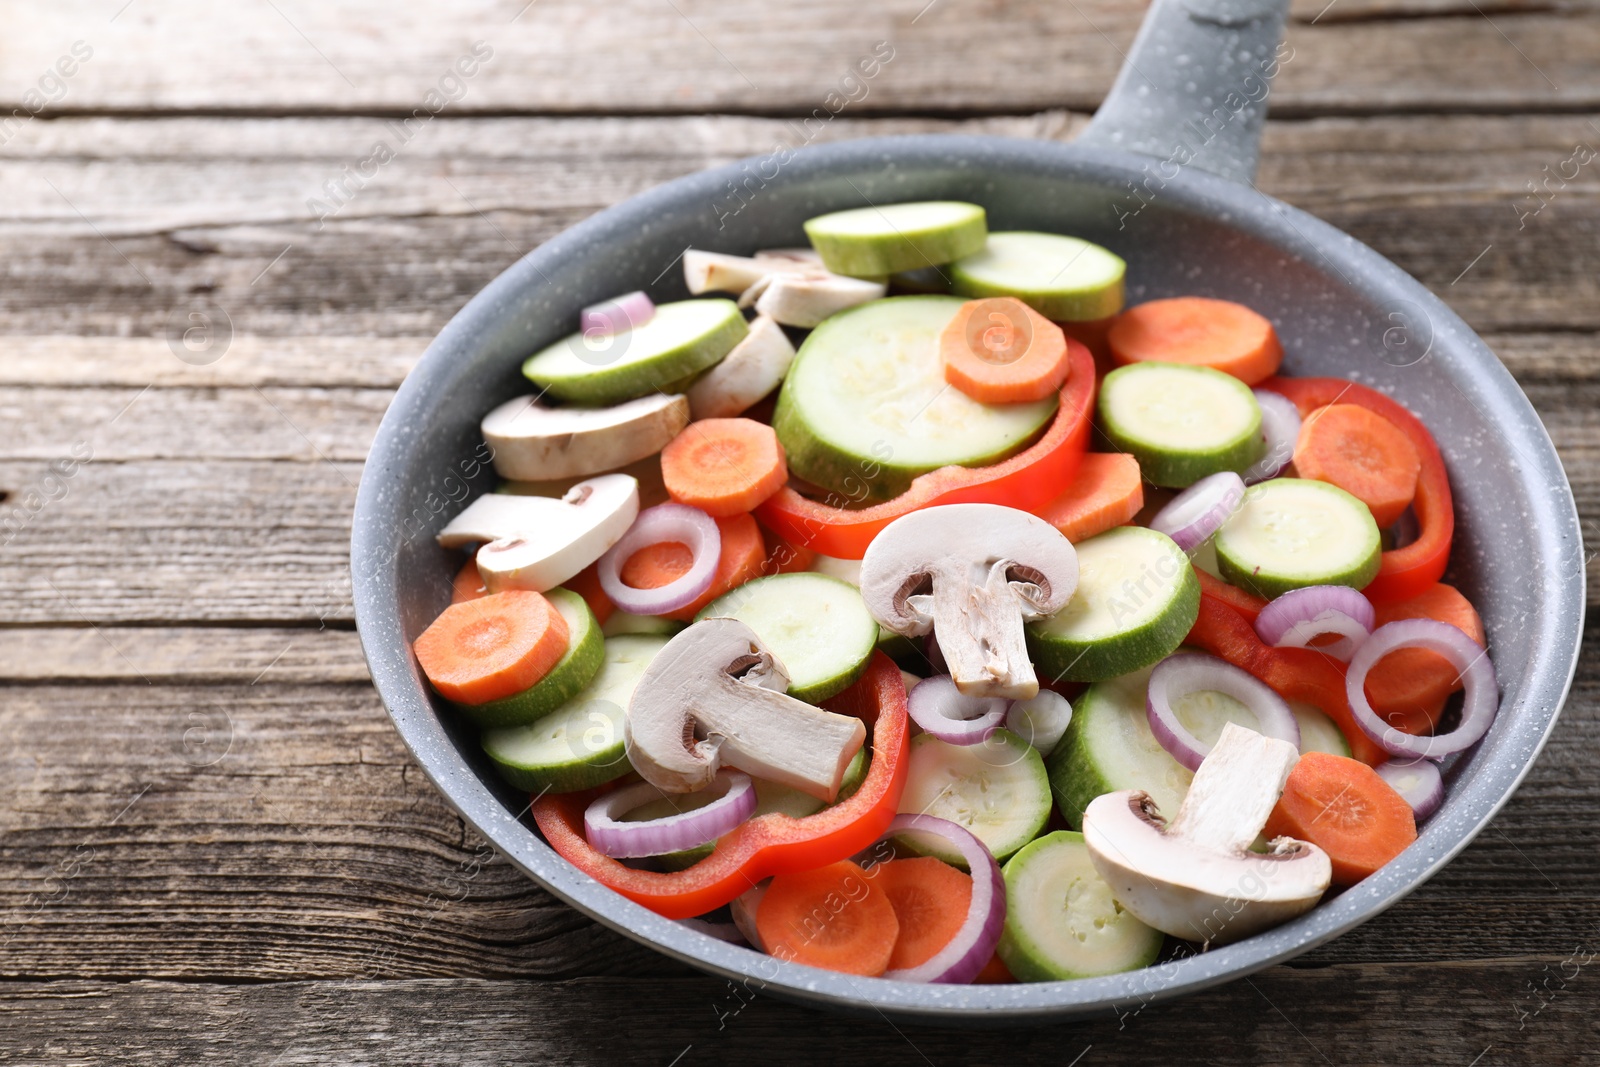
x: 1162, y: 176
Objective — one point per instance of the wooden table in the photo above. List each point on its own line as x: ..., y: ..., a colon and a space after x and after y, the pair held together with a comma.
x: 214, y: 845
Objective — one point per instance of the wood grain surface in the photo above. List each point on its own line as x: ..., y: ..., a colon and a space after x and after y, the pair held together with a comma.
x: 213, y: 845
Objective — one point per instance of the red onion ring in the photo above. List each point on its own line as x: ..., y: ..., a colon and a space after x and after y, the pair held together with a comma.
x: 965, y: 954
x: 664, y: 522
x: 1293, y: 619
x: 1200, y: 510
x: 1280, y: 425
x: 1477, y: 673
x: 626, y: 312
x: 1193, y: 672
x: 944, y: 711
x: 610, y: 836
x: 1417, y: 781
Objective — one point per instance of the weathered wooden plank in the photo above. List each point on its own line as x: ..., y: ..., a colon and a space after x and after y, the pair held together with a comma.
x: 563, y: 56
x: 189, y: 655
x: 1417, y: 1014
x: 205, y: 538
x: 177, y: 423
x: 383, y: 362
x: 156, y: 809
x: 182, y: 542
x: 247, y: 361
x: 191, y: 217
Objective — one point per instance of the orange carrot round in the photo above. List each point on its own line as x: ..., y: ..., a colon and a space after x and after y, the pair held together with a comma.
x: 468, y: 584
x: 1409, y: 686
x: 724, y: 466
x: 930, y: 900
x: 492, y: 647
x: 833, y: 917
x: 1107, y: 491
x: 1344, y: 808
x: 1001, y: 351
x: 1362, y: 453
x: 1219, y: 334
x: 744, y: 554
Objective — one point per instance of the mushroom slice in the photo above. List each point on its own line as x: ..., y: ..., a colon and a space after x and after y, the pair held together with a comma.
x: 538, y: 542
x: 716, y: 272
x: 973, y: 574
x: 532, y: 442
x: 713, y: 697
x: 790, y: 258
x: 754, y: 368
x: 806, y: 298
x: 1196, y: 877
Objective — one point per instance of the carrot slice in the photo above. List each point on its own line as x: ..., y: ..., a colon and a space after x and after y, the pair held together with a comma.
x: 1219, y: 334
x: 1409, y: 686
x: 1001, y: 351
x: 930, y: 900
x: 744, y: 554
x: 468, y: 584
x: 995, y: 972
x: 1362, y: 453
x: 832, y: 917
x: 784, y: 556
x: 724, y: 466
x: 586, y: 583
x: 1412, y: 569
x: 1343, y: 807
x: 1106, y: 492
x: 492, y: 647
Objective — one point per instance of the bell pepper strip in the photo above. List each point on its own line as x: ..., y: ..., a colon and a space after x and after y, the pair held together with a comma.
x: 1028, y: 480
x: 1408, y: 571
x: 1293, y: 673
x: 767, y: 844
x: 1247, y: 604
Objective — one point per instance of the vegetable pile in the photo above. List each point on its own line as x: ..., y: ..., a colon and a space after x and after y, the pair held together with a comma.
x: 997, y: 632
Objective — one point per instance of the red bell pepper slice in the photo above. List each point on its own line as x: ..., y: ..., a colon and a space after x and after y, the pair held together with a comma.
x: 1409, y: 571
x: 1247, y: 604
x: 768, y: 844
x: 1028, y: 480
x: 1293, y: 673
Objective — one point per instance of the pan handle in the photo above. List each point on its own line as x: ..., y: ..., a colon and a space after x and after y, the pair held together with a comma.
x: 1193, y: 89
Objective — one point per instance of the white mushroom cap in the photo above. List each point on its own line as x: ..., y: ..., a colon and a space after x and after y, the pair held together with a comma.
x: 1196, y: 878
x: 538, y: 542
x: 533, y: 442
x: 972, y: 574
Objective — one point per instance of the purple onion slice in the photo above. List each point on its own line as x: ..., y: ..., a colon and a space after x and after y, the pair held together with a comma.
x: 1418, y: 782
x: 1298, y: 616
x: 610, y: 836
x: 1194, y: 672
x: 1200, y: 510
x: 1280, y: 425
x: 662, y: 523
x: 626, y: 312
x: 1477, y: 673
x: 944, y: 711
x: 960, y: 960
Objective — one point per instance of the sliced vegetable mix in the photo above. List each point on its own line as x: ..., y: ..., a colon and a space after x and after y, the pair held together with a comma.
x: 1147, y: 600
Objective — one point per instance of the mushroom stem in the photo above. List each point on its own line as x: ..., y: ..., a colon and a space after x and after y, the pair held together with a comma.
x: 979, y: 630
x: 1234, y: 791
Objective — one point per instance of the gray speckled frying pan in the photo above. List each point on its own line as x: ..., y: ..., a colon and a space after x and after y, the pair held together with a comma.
x: 1162, y: 177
